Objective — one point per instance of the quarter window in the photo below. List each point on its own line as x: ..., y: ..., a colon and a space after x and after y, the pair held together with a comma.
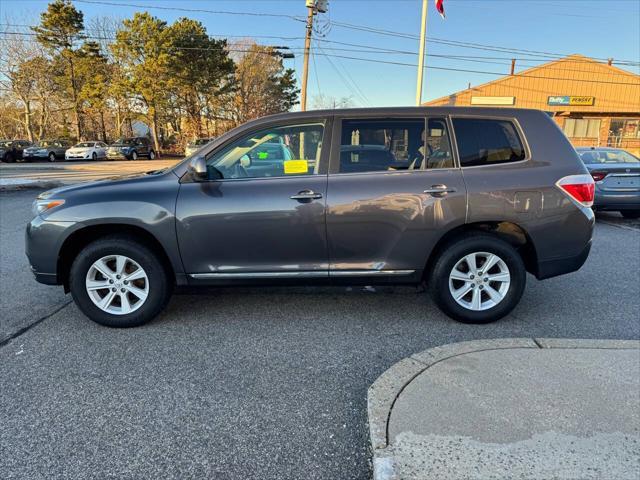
x: 487, y: 142
x: 274, y: 152
x: 388, y: 145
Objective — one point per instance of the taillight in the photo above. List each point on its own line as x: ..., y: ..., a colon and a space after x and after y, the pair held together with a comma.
x: 580, y: 188
x: 597, y: 176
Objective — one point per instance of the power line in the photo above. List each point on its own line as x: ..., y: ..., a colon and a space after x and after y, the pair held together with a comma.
x: 192, y: 10
x: 480, y: 46
x: 433, y: 67
x: 539, y: 55
x: 372, y: 50
x: 342, y: 77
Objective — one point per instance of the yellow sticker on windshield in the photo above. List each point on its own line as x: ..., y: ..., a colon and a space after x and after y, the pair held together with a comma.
x: 295, y: 166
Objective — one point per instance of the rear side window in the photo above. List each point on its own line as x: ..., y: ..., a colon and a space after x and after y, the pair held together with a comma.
x: 487, y: 142
x: 394, y: 144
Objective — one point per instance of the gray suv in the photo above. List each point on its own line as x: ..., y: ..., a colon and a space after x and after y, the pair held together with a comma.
x: 467, y: 200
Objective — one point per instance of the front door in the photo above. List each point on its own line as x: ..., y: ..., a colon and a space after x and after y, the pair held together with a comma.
x: 394, y: 189
x: 261, y: 214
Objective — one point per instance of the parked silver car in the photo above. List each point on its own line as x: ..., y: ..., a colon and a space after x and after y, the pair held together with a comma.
x: 51, y: 150
x: 617, y: 176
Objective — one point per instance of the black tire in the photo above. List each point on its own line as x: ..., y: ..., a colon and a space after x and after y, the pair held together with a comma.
x: 134, y: 155
x: 630, y: 213
x: 94, y: 156
x: 453, y: 252
x: 51, y: 157
x: 8, y: 158
x: 160, y: 284
x: 152, y: 155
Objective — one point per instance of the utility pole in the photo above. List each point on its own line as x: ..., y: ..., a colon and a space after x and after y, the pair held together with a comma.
x: 313, y: 7
x: 423, y: 41
x: 307, y: 47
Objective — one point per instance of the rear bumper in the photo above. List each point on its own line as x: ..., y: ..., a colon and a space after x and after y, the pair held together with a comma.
x: 617, y: 200
x: 560, y: 266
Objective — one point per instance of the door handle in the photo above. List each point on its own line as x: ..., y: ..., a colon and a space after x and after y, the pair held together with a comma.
x: 306, y: 195
x: 439, y: 190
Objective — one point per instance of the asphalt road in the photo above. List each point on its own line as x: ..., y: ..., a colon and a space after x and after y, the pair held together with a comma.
x: 250, y: 383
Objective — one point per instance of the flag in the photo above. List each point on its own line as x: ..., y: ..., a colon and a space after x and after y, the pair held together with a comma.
x: 440, y: 7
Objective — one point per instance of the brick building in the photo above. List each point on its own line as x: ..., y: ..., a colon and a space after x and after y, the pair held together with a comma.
x: 595, y: 104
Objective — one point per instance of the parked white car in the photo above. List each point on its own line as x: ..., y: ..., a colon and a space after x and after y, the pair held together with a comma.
x: 87, y: 151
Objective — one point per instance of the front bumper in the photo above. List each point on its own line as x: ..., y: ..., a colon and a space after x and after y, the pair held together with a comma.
x: 28, y: 155
x: 43, y: 242
x: 117, y: 156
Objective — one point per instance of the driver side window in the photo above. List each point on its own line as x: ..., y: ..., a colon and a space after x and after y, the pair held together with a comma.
x: 284, y: 151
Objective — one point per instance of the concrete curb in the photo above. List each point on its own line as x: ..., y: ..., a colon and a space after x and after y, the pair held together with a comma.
x: 383, y: 393
x: 34, y: 185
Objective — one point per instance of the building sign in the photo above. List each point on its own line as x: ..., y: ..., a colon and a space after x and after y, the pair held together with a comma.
x: 493, y: 100
x: 571, y: 100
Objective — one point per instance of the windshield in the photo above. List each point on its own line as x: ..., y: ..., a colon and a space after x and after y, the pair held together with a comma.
x: 43, y: 143
x: 125, y: 140
x: 5, y: 143
x: 84, y: 145
x: 608, y: 156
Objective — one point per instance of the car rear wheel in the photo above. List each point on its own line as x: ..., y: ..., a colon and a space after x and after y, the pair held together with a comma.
x: 9, y: 158
x: 94, y: 156
x: 630, y: 213
x: 478, y: 278
x: 152, y: 155
x: 134, y: 155
x: 118, y: 282
x: 52, y: 157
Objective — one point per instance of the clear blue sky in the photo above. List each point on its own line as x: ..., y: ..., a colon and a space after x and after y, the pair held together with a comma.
x: 596, y: 28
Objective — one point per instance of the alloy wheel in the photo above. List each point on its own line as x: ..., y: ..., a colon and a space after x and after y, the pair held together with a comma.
x: 116, y: 284
x: 479, y: 281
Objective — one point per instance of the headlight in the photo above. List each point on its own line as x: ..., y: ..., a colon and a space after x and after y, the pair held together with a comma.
x: 43, y: 205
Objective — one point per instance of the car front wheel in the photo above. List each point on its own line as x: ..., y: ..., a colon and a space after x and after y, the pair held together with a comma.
x: 134, y: 155
x: 152, y: 155
x: 478, y: 278
x: 118, y: 282
x: 52, y: 157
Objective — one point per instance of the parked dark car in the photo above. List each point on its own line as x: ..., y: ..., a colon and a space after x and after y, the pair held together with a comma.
x: 131, y: 149
x: 11, y: 150
x: 465, y: 199
x: 617, y: 176
x: 51, y: 150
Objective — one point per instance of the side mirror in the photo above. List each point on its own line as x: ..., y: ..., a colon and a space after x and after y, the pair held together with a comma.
x: 198, y: 168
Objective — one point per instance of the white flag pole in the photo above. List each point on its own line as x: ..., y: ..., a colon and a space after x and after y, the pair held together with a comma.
x: 423, y: 41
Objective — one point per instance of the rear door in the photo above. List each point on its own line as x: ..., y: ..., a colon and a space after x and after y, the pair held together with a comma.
x: 394, y: 189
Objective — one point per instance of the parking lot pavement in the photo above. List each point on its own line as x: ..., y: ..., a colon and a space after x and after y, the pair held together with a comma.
x: 22, y: 300
x: 256, y: 383
x: 614, y: 218
x: 48, y: 175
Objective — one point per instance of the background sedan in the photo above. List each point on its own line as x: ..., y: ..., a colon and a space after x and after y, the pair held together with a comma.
x: 87, y: 151
x: 617, y: 176
x: 51, y: 150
